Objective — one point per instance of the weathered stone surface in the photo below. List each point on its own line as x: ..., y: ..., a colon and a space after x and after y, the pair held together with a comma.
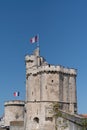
x: 46, y: 84
x: 14, y: 111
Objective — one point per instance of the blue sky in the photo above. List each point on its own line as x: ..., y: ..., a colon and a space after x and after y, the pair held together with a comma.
x: 62, y: 29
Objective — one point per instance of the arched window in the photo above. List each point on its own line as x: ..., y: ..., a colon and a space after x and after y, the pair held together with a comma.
x: 36, y: 119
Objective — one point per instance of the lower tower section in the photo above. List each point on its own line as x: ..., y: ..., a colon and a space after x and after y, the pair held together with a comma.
x: 38, y: 116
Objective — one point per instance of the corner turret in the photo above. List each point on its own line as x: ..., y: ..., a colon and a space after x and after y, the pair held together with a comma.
x: 34, y: 60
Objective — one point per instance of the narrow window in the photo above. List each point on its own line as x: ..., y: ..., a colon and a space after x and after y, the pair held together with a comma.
x: 46, y: 87
x: 52, y: 81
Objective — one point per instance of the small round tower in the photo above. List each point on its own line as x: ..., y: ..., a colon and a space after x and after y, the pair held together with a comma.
x: 14, y: 111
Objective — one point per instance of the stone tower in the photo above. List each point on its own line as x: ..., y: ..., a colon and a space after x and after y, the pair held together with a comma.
x: 47, y: 84
x: 14, y: 111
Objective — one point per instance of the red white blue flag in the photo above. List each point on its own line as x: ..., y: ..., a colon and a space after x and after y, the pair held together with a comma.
x: 34, y: 39
x: 16, y: 94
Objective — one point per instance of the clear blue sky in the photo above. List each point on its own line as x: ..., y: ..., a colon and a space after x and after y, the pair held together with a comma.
x: 62, y: 27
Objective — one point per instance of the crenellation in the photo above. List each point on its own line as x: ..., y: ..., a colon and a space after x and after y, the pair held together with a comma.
x: 34, y: 70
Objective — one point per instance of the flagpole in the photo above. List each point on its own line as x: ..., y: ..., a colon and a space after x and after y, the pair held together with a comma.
x: 38, y: 46
x: 35, y: 39
x: 38, y: 40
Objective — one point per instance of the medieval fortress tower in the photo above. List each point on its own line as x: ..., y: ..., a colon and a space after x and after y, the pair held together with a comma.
x: 45, y: 84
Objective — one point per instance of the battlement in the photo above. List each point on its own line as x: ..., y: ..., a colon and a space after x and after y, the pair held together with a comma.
x: 51, y: 68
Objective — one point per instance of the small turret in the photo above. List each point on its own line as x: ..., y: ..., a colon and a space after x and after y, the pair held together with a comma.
x: 14, y: 111
x: 36, y: 52
x: 34, y: 60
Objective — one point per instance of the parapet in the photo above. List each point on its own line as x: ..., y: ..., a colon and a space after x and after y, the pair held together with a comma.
x: 36, y: 64
x: 14, y: 103
x: 51, y: 68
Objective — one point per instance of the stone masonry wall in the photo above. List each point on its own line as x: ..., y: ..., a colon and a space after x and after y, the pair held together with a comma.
x: 47, y: 84
x: 14, y: 111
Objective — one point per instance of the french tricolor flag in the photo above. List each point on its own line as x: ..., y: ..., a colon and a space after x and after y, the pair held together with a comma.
x: 34, y: 39
x: 16, y: 94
